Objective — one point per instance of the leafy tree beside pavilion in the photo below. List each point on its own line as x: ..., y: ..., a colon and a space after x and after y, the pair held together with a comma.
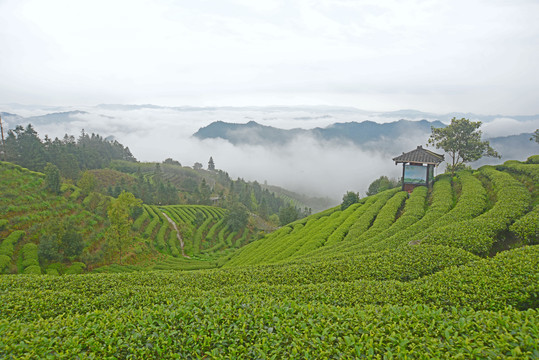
x: 535, y: 136
x: 461, y: 140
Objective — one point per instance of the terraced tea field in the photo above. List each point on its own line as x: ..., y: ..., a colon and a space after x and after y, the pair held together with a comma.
x: 451, y: 272
x: 28, y: 213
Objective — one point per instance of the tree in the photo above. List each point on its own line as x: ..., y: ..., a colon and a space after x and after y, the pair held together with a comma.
x: 204, y: 193
x: 535, y: 136
x: 197, y: 166
x: 49, y: 248
x: 348, y: 199
x: 211, y: 165
x: 237, y: 217
x: 381, y: 184
x: 462, y: 141
x: 24, y: 147
x: 87, y: 182
x: 171, y: 161
x: 288, y: 214
x: 119, y: 212
x: 52, y: 178
x: 72, y: 243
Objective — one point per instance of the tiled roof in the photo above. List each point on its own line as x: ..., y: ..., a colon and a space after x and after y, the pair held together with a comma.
x: 419, y: 155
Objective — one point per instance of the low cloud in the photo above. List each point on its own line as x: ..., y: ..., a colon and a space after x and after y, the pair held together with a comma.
x: 304, y: 164
x: 506, y: 126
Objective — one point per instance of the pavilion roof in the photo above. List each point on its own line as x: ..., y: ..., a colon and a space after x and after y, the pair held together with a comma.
x: 419, y: 155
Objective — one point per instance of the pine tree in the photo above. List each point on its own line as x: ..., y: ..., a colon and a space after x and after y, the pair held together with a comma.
x: 52, y: 178
x: 211, y: 164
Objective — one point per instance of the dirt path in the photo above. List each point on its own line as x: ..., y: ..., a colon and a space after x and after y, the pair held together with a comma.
x: 177, y: 233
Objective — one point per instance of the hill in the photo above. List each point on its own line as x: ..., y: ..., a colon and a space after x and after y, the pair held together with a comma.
x: 366, y: 135
x: 360, y: 134
x: 49, y: 224
x: 106, y: 166
x: 445, y: 273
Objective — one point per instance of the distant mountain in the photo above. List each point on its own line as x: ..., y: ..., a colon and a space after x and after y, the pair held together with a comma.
x: 512, y: 147
x: 10, y: 118
x: 250, y: 133
x: 58, y: 117
x: 358, y: 133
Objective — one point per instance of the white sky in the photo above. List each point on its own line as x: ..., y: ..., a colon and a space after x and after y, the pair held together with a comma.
x: 470, y: 56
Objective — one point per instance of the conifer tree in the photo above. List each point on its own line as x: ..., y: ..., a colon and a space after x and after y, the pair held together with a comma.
x: 52, y: 178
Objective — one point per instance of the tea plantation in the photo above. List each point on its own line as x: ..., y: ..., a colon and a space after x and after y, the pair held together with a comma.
x: 446, y: 273
x: 31, y: 215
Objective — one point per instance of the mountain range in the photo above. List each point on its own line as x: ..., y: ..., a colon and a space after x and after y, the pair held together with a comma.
x: 368, y: 135
x: 358, y: 133
x: 338, y: 125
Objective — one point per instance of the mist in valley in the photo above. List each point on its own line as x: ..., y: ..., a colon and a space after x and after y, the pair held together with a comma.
x: 304, y: 164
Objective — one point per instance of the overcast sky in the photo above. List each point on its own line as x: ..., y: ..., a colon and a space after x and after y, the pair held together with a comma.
x: 441, y: 56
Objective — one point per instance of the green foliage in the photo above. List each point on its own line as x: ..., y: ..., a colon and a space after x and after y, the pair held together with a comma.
x: 32, y: 269
x: 120, y: 222
x: 479, y: 234
x: 75, y: 268
x: 348, y: 199
x: 527, y: 227
x: 52, y: 271
x: 7, y: 246
x: 49, y: 248
x: 87, y: 182
x: 237, y: 218
x: 336, y: 284
x: 462, y: 141
x: 4, y: 262
x: 3, y: 224
x: 381, y: 184
x: 55, y: 269
x: 288, y: 214
x: 534, y: 159
x: 367, y: 218
x: 72, y: 243
x: 535, y: 136
x: 199, y: 218
x: 285, y: 312
x: 52, y: 178
x: 25, y: 148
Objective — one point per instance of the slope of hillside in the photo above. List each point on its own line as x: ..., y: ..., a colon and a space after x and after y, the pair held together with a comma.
x: 452, y: 272
x: 71, y: 230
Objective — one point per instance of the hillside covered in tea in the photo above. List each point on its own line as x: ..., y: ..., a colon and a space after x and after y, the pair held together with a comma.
x: 447, y: 272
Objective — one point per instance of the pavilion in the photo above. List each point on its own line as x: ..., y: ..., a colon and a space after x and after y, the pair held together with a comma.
x: 418, y: 167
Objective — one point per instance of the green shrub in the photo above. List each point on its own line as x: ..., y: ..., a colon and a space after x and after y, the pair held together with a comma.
x: 29, y: 254
x: 534, y: 159
x: 3, y: 224
x: 53, y: 272
x: 58, y: 267
x: 527, y: 227
x: 8, y: 245
x: 32, y: 269
x: 478, y: 235
x: 4, y: 262
x: 75, y: 268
